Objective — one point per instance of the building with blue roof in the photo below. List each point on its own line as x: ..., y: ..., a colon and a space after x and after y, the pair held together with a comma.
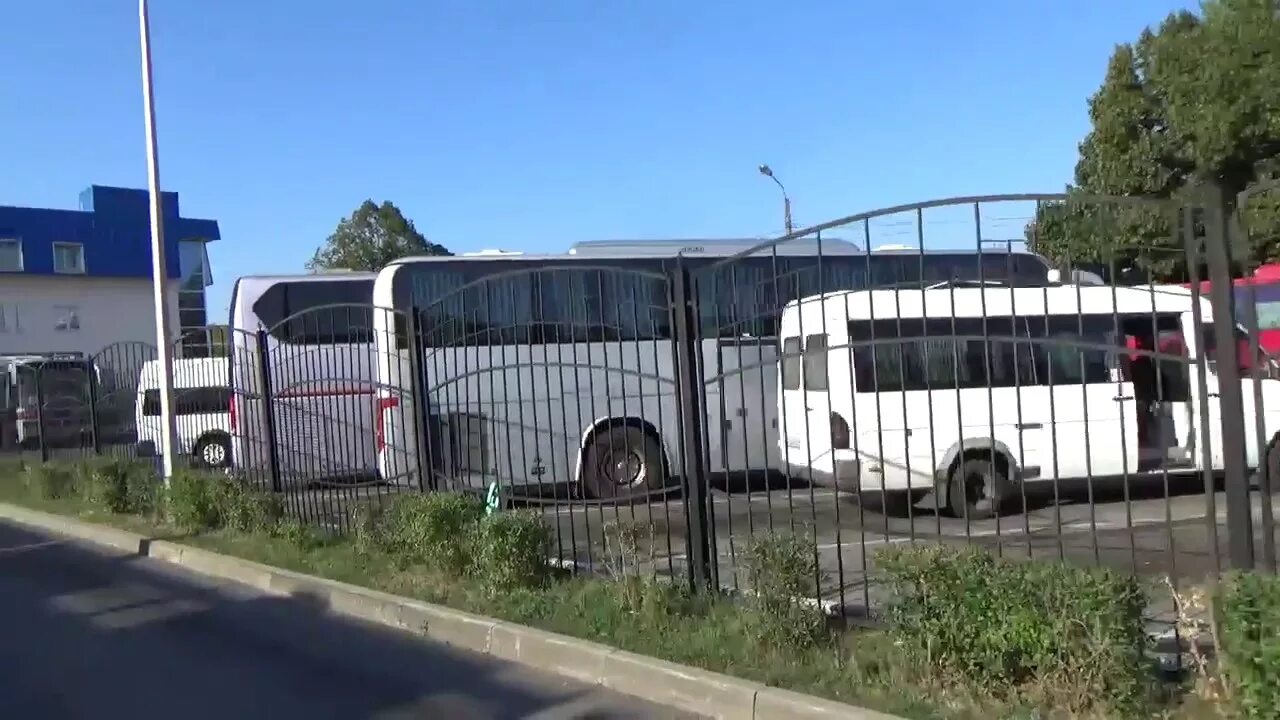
x: 80, y: 280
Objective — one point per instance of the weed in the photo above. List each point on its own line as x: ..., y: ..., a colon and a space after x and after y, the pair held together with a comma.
x: 433, y: 529
x: 511, y: 551
x: 783, y: 574
x: 247, y: 509
x: 194, y: 501
x: 1066, y: 637
x: 49, y: 481
x: 1248, y: 621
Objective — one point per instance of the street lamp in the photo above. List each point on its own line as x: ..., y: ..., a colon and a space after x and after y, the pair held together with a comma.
x: 159, y: 269
x: 766, y: 171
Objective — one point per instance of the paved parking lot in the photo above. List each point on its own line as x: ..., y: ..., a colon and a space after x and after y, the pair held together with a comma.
x: 1154, y: 532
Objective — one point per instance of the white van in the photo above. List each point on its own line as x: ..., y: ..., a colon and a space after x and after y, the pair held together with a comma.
x: 202, y: 406
x: 973, y: 390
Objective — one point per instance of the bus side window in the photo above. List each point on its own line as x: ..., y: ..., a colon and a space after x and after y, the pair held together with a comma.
x: 791, y: 363
x: 815, y: 363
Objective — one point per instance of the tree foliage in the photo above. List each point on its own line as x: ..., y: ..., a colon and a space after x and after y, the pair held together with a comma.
x: 373, y: 236
x: 1188, y: 114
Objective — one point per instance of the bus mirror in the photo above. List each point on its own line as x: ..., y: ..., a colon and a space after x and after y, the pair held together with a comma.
x: 1054, y: 276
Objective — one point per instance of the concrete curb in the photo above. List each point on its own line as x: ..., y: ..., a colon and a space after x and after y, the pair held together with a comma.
x: 706, y: 693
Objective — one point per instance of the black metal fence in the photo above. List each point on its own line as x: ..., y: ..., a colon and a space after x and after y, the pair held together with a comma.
x: 664, y: 412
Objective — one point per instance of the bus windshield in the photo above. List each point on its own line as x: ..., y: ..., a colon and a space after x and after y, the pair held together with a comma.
x: 1265, y: 301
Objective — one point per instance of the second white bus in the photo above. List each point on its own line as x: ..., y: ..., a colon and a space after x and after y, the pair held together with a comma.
x: 971, y: 391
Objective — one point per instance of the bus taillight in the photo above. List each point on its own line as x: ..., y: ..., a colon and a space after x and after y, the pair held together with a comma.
x: 380, y: 423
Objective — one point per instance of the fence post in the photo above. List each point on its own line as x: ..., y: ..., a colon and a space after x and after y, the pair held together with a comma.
x: 41, y: 435
x: 424, y: 437
x: 91, y: 377
x: 692, y: 423
x: 1218, y: 239
x: 269, y: 412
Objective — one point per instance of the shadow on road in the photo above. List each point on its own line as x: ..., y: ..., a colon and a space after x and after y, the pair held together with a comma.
x: 89, y: 634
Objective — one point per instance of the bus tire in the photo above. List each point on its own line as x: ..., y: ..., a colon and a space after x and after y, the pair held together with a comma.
x: 1271, y: 465
x: 213, y: 451
x: 623, y: 462
x: 978, y: 487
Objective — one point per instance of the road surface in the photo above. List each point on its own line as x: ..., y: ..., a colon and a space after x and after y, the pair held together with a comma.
x: 88, y: 634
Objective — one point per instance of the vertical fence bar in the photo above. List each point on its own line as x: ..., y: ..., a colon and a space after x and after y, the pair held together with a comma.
x: 692, y: 424
x: 41, y: 436
x: 1236, y: 484
x: 269, y: 414
x: 422, y: 410
x: 95, y: 427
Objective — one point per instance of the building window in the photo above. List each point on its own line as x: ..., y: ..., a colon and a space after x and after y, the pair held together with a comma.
x: 10, y: 256
x: 68, y: 318
x: 68, y: 258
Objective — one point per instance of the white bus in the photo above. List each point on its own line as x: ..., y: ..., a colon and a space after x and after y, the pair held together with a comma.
x: 202, y: 410
x: 973, y: 390
x: 319, y: 350
x: 556, y: 369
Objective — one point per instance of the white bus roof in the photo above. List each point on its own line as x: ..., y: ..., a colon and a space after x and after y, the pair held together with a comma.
x: 715, y: 247
x: 187, y: 373
x: 1005, y: 301
x: 328, y: 275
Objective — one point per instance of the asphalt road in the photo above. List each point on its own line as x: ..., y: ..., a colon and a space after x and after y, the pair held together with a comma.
x: 90, y: 634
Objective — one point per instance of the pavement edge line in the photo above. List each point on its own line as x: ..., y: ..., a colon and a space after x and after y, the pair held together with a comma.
x: 670, y: 684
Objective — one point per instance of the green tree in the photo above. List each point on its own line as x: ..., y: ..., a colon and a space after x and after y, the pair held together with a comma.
x: 1191, y: 105
x: 373, y: 236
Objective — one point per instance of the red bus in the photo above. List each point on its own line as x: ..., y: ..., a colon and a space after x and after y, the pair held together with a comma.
x: 1257, y: 305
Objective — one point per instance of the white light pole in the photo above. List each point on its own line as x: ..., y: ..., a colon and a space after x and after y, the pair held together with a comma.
x: 159, y: 269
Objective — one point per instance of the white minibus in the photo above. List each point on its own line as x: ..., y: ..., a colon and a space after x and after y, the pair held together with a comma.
x: 972, y: 390
x: 319, y: 352
x: 560, y: 369
x: 201, y: 408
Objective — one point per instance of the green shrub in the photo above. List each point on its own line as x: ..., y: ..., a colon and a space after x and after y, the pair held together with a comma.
x: 145, y: 492
x: 782, y: 572
x: 1249, y: 633
x: 49, y: 481
x: 1072, y: 637
x: 434, y: 529
x: 247, y: 509
x: 298, y: 534
x: 368, y: 526
x: 511, y: 551
x: 105, y: 483
x: 194, y: 501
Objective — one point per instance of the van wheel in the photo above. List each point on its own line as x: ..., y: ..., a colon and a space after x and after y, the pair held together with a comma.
x: 623, y: 462
x: 1272, y: 466
x: 213, y: 451
x: 977, y: 488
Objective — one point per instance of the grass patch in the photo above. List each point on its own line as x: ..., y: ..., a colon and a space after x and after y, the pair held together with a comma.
x: 991, y: 648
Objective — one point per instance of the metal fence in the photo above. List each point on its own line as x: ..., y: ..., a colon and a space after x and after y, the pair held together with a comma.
x: 664, y: 413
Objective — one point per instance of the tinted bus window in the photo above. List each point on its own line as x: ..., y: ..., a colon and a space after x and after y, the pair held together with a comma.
x: 318, y: 313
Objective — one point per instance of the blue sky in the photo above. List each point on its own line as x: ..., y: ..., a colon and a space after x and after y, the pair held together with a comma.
x: 534, y: 124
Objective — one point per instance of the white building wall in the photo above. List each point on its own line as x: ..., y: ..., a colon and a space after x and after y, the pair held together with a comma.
x: 77, y: 314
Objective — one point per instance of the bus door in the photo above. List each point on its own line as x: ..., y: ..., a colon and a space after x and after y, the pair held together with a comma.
x: 743, y: 420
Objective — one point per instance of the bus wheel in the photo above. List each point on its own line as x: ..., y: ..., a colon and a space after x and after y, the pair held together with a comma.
x: 1272, y: 465
x: 977, y: 487
x: 213, y: 451
x: 623, y: 462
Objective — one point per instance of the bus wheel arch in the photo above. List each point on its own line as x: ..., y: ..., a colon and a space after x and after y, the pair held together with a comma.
x: 641, y: 443
x: 212, y: 449
x: 980, y: 476
x: 1269, y: 465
